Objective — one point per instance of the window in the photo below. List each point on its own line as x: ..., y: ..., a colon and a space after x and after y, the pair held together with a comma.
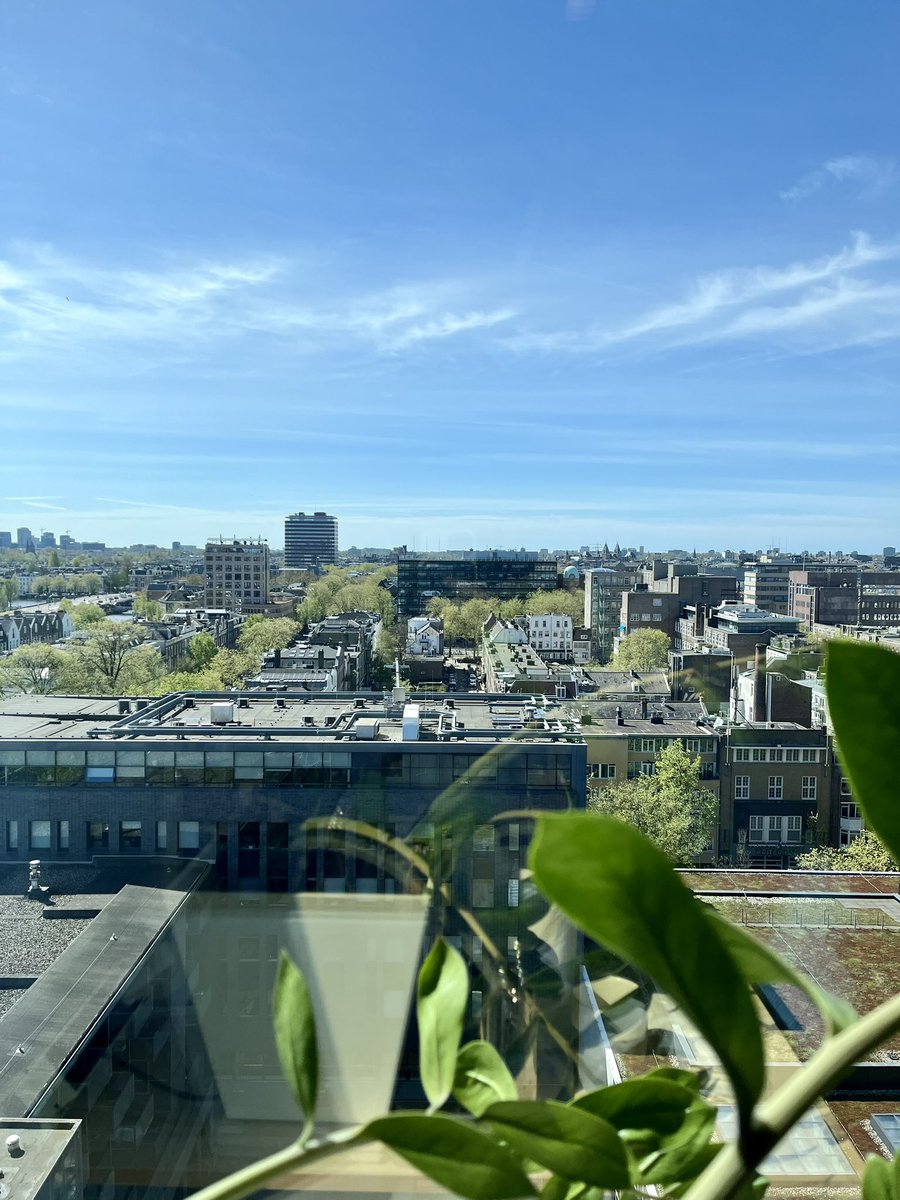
x: 758, y: 754
x: 162, y: 835
x: 791, y: 755
x: 482, y: 893
x: 845, y: 787
x: 808, y: 787
x: 773, y: 829
x: 607, y: 770
x: 849, y: 811
x: 810, y: 756
x: 776, y: 787
x: 188, y: 835
x: 39, y: 837
x: 742, y: 787
x: 513, y: 835
x: 483, y: 839
x: 756, y: 828
x: 97, y: 835
x: 641, y: 768
x: 129, y: 835
x: 741, y: 754
x: 512, y: 893
x: 794, y: 830
x: 100, y: 774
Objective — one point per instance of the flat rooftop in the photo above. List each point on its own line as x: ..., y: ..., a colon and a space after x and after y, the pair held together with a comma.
x: 288, y: 715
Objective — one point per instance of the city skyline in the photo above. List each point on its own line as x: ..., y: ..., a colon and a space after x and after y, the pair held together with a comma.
x: 559, y: 273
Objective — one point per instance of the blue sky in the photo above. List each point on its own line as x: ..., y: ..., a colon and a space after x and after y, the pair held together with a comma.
x: 524, y: 272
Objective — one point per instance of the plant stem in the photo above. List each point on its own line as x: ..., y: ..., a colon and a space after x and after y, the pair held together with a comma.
x: 250, y: 1179
x: 736, y: 1164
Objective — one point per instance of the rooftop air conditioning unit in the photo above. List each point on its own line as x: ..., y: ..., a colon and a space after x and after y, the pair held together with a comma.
x: 221, y: 712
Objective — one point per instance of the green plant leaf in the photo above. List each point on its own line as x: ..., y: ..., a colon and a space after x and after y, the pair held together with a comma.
x: 695, y: 1081
x: 685, y: 1153
x: 862, y: 682
x: 656, y: 1105
x: 694, y: 1166
x: 881, y: 1178
x: 565, y: 1140
x: 482, y: 1078
x: 663, y: 1124
x: 295, y: 1035
x: 441, y: 997
x: 619, y: 888
x: 455, y: 1154
x: 762, y: 965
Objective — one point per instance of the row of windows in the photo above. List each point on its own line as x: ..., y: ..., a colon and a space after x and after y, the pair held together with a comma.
x: 276, y: 768
x: 131, y: 835
x: 653, y: 745
x: 776, y: 754
x: 775, y: 829
x: 775, y: 790
x: 708, y: 770
x: 602, y: 771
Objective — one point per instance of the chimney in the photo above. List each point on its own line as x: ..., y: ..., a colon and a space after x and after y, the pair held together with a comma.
x: 276, y: 658
x: 620, y: 720
x: 759, y: 682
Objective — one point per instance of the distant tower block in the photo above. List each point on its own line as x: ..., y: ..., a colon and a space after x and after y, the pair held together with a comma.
x: 310, y: 541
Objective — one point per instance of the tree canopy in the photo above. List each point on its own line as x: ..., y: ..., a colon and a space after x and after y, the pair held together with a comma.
x: 864, y: 853
x: 643, y: 650
x: 672, y: 807
x: 465, y: 619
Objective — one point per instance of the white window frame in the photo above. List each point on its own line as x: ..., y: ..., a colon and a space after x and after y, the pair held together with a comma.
x: 776, y: 787
x: 742, y: 787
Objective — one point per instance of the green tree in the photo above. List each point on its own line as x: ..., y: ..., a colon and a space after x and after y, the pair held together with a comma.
x: 117, y: 576
x: 86, y: 615
x: 472, y: 615
x: 643, y: 650
x: 566, y: 603
x: 34, y: 668
x: 864, y: 853
x: 232, y: 667
x: 671, y: 807
x: 53, y: 561
x: 273, y: 633
x: 149, y: 610
x: 202, y: 649
x: 509, y: 609
x: 110, y: 661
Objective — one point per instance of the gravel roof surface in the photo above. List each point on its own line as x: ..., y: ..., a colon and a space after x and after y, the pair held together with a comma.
x: 28, y: 943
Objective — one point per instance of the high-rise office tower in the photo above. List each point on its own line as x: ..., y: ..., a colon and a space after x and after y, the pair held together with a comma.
x: 310, y: 540
x: 237, y: 575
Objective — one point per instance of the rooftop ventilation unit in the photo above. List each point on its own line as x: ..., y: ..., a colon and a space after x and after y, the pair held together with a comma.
x: 221, y: 713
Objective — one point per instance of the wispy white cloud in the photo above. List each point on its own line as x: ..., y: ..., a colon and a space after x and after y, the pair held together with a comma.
x: 873, y: 177
x: 42, y: 502
x: 49, y: 302
x: 823, y: 304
